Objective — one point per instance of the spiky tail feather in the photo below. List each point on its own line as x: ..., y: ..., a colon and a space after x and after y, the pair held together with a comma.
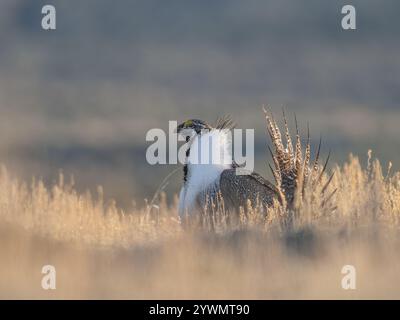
x: 294, y: 173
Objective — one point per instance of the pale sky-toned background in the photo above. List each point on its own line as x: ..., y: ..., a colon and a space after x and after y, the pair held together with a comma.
x: 82, y: 98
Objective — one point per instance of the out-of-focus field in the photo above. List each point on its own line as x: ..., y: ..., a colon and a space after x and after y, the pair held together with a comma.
x: 83, y: 97
x: 100, y: 251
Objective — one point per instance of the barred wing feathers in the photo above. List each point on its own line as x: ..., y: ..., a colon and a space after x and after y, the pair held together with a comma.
x: 237, y: 190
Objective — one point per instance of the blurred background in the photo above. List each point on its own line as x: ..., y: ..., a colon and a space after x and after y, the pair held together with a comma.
x: 81, y: 98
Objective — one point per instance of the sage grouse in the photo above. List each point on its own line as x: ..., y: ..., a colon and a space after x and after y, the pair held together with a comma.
x: 208, y: 183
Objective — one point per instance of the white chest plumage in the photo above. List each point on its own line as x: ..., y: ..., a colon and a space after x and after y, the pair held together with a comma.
x: 210, y: 154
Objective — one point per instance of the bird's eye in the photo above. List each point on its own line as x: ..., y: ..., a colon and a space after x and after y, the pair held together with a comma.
x: 188, y: 123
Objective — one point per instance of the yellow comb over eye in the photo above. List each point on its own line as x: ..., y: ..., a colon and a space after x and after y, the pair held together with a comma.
x: 188, y: 123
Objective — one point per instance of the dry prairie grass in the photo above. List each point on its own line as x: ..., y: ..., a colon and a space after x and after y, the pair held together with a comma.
x: 100, y: 251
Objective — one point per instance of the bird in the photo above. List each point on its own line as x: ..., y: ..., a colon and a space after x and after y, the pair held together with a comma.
x: 211, y: 184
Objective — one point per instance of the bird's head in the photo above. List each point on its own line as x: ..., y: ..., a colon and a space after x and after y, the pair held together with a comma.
x: 192, y: 127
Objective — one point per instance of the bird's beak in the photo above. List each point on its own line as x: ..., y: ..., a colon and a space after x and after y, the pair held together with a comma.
x: 184, y: 131
x: 179, y: 128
